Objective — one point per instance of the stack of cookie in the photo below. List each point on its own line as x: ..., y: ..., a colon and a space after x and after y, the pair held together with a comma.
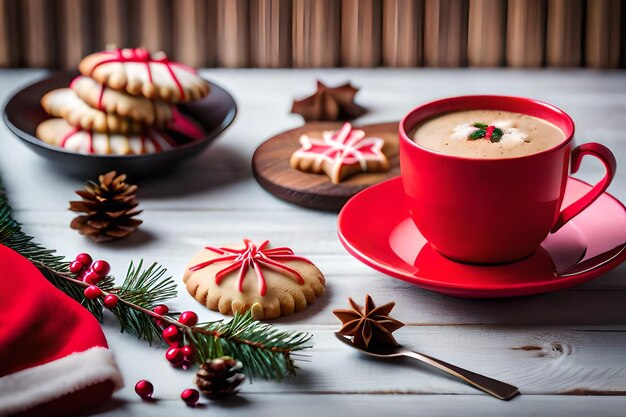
x: 124, y: 103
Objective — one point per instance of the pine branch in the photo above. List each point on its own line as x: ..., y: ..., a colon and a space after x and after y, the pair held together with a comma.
x: 265, y: 352
x: 144, y: 289
x: 257, y: 345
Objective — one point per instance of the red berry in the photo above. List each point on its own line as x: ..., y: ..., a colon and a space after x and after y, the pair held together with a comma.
x: 84, y: 259
x: 188, y: 318
x: 171, y: 334
x: 188, y: 351
x: 174, y: 355
x: 161, y: 309
x: 110, y: 300
x: 91, y: 277
x: 76, y: 267
x: 92, y: 292
x: 190, y: 396
x: 144, y: 389
x: 101, y: 268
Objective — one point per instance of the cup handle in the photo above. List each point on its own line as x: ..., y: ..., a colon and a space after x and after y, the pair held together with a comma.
x: 608, y: 159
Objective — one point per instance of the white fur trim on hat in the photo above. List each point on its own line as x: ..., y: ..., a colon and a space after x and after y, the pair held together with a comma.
x: 28, y: 388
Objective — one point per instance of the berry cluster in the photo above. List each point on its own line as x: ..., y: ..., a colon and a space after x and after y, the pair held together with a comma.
x: 90, y: 272
x: 178, y: 354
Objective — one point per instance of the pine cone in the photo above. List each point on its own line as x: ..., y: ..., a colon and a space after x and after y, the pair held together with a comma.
x: 109, y: 207
x: 219, y: 378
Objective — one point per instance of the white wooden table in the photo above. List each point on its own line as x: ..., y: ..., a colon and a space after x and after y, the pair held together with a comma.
x: 566, y: 351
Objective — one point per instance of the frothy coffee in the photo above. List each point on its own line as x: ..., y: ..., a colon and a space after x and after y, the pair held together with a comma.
x: 490, y: 134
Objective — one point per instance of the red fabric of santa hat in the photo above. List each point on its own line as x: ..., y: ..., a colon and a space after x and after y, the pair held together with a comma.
x: 54, y: 358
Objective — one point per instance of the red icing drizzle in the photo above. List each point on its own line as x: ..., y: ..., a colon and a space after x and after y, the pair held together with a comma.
x: 157, y: 145
x: 256, y: 257
x: 99, y: 106
x: 71, y: 133
x: 142, y: 55
x: 68, y: 135
x: 90, y: 135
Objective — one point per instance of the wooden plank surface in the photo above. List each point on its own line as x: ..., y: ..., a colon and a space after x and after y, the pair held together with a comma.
x: 564, y: 350
x: 445, y: 33
x: 564, y: 37
x: 316, y: 33
x: 526, y: 28
x: 405, y: 405
x: 402, y: 33
x: 486, y: 33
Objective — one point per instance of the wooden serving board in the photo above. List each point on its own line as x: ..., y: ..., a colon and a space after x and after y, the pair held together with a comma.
x: 270, y: 165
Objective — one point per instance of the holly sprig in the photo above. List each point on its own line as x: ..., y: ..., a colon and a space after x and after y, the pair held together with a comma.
x: 484, y: 130
x: 265, y: 352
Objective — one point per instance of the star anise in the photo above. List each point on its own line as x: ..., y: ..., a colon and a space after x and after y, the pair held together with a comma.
x: 368, y: 325
x: 329, y: 104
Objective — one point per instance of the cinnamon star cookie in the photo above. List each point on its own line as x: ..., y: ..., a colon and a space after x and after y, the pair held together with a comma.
x: 138, y: 108
x: 59, y: 133
x: 63, y: 102
x: 270, y: 282
x: 138, y: 72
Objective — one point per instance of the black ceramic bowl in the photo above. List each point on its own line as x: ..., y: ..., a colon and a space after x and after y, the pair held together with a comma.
x: 23, y: 113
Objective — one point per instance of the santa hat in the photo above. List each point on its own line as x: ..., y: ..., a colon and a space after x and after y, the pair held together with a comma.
x: 54, y: 358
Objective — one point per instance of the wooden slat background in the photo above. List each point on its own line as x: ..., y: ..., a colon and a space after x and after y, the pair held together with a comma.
x: 320, y: 33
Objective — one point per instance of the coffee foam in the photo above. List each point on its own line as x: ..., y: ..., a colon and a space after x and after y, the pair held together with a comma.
x: 522, y: 135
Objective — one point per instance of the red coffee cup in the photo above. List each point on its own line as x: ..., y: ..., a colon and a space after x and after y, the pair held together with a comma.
x: 493, y: 210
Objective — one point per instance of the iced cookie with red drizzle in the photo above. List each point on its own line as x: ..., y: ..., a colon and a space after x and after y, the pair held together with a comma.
x: 269, y: 281
x: 138, y: 108
x: 58, y: 132
x: 138, y: 72
x: 63, y: 102
x: 340, y: 154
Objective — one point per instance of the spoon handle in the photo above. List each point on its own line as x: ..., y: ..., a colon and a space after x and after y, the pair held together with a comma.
x: 498, y: 389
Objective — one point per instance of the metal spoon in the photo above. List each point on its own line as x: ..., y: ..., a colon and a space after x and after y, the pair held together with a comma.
x: 498, y: 389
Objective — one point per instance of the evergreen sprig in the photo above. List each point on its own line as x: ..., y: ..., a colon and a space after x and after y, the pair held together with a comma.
x: 265, y: 352
x: 243, y: 338
x: 146, y: 289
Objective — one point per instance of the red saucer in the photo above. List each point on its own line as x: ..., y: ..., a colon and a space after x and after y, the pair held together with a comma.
x: 375, y: 228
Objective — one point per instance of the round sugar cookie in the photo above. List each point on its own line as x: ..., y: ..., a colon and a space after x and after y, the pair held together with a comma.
x: 138, y: 108
x: 63, y: 102
x: 58, y: 132
x: 138, y: 72
x: 269, y: 281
